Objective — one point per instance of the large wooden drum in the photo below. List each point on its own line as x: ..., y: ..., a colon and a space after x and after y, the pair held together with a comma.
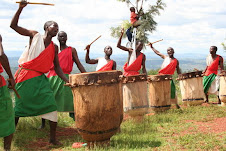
x: 222, y: 91
x: 135, y: 101
x: 97, y: 104
x: 159, y: 92
x: 191, y: 86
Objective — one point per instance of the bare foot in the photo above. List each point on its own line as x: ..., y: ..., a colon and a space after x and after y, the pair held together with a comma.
x: 55, y: 142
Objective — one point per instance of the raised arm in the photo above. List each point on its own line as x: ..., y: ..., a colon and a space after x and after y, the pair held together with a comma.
x: 178, y: 68
x: 144, y: 71
x: 88, y: 60
x: 76, y: 60
x: 157, y: 52
x: 15, y: 19
x: 57, y: 67
x: 120, y: 40
x: 5, y: 63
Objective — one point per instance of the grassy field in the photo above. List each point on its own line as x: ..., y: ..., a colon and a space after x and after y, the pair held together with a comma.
x: 188, y: 128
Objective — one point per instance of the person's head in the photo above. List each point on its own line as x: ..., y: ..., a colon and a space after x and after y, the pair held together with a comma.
x: 213, y: 50
x: 139, y: 45
x: 108, y: 50
x: 62, y: 37
x: 170, y: 52
x: 132, y: 9
x: 51, y: 27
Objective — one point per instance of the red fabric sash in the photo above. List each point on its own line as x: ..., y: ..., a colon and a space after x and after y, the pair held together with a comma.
x: 37, y: 66
x: 2, y: 80
x: 213, y: 67
x: 65, y: 60
x: 107, y: 67
x: 170, y: 68
x: 134, y: 67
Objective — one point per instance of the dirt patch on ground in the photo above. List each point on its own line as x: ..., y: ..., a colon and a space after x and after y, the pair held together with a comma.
x: 43, y: 144
x: 217, y: 125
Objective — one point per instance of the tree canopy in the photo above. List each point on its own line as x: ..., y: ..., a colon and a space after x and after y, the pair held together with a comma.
x: 148, y: 23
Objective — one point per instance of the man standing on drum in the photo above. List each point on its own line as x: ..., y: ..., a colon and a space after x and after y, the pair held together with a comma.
x: 104, y: 63
x: 133, y: 69
x: 211, y: 82
x: 37, y: 98
x: 63, y: 95
x: 169, y: 65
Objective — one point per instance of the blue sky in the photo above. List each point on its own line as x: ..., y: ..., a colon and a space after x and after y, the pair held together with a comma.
x: 189, y: 26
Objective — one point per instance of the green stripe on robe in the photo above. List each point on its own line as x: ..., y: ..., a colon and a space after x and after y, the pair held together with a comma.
x: 173, y: 89
x: 36, y: 97
x: 63, y: 94
x: 207, y: 81
x: 7, y: 119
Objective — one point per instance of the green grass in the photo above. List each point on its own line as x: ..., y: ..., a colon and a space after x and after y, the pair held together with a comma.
x: 165, y: 131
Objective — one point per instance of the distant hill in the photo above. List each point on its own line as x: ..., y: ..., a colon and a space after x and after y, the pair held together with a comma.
x: 187, y: 61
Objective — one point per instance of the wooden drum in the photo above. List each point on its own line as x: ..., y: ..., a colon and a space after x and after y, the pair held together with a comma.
x: 222, y: 91
x: 191, y: 86
x: 97, y: 104
x: 135, y: 101
x: 159, y: 92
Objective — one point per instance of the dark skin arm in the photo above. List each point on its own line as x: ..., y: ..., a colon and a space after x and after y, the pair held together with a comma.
x: 88, y: 60
x: 18, y: 29
x: 76, y: 60
x: 5, y: 63
x: 157, y: 52
x: 178, y: 68
x: 114, y: 65
x: 221, y: 63
x: 120, y: 41
x: 57, y: 67
x: 143, y: 65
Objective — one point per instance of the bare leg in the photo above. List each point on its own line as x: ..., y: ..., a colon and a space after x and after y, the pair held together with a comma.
x: 16, y: 120
x: 207, y: 98
x: 7, y: 142
x: 178, y: 107
x: 43, y: 124
x: 219, y: 101
x: 52, y: 139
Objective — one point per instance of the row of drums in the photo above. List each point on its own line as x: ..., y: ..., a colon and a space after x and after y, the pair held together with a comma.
x: 101, y: 97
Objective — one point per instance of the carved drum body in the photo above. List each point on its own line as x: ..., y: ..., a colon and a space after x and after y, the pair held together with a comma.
x: 135, y: 101
x: 222, y: 91
x: 97, y: 103
x: 191, y: 86
x: 159, y: 92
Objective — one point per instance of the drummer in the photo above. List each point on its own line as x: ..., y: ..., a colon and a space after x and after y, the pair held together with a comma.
x: 169, y: 65
x: 7, y: 120
x: 211, y: 82
x: 138, y: 63
x: 63, y: 95
x: 104, y: 63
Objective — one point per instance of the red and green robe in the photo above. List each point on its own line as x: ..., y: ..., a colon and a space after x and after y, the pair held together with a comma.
x: 63, y: 94
x: 210, y: 79
x: 169, y: 67
x: 7, y: 119
x: 133, y: 69
x: 33, y: 86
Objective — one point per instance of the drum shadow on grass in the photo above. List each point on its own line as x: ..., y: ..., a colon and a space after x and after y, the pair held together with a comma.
x: 134, y: 144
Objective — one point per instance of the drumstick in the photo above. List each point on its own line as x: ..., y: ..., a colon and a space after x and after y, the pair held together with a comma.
x: 17, y: 94
x: 93, y: 41
x: 38, y: 3
x: 155, y: 42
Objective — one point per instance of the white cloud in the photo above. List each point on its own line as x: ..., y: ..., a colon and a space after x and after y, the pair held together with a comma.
x: 187, y: 25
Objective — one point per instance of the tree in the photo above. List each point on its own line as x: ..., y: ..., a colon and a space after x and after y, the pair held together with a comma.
x: 148, y: 23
